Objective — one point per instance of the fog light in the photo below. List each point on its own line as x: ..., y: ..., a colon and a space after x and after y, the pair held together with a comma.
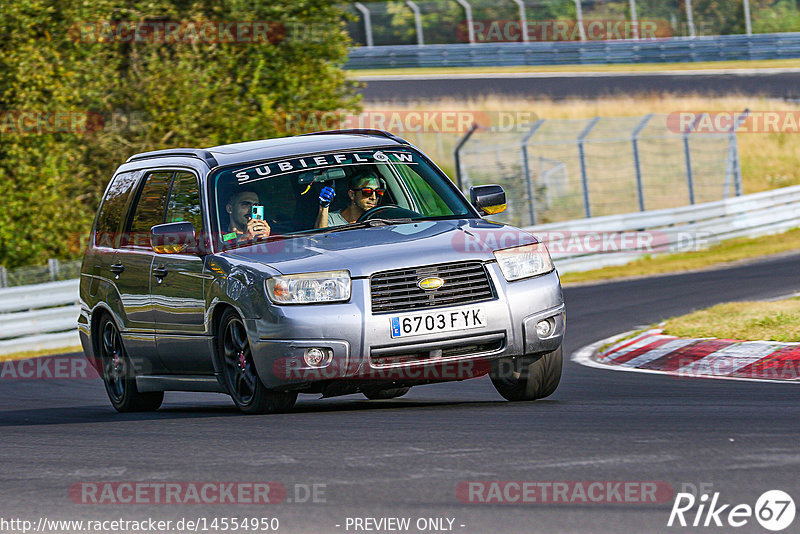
x: 543, y: 329
x: 318, y: 357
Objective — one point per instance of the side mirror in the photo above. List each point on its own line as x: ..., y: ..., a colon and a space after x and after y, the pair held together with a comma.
x: 488, y: 199
x: 173, y: 238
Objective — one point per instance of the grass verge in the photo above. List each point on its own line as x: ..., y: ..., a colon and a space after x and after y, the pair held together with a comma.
x: 732, y: 250
x: 38, y: 353
x: 768, y: 321
x: 638, y: 67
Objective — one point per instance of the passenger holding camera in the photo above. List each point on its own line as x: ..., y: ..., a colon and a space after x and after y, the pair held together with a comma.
x: 246, y: 216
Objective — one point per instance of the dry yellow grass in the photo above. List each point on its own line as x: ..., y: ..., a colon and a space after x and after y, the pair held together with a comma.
x: 770, y: 321
x: 38, y: 353
x: 768, y: 161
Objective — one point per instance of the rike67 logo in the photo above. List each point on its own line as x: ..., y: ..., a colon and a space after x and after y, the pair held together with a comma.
x: 774, y: 510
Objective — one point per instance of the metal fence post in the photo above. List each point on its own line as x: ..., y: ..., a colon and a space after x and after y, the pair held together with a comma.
x: 579, y: 19
x: 53, y: 267
x: 584, y: 178
x: 523, y: 20
x: 637, y: 164
x: 634, y: 19
x: 457, y: 154
x: 527, y: 170
x: 690, y: 18
x: 417, y: 21
x: 468, y: 17
x: 688, y: 157
x: 733, y: 156
x: 367, y: 22
x: 748, y: 23
x: 3, y: 276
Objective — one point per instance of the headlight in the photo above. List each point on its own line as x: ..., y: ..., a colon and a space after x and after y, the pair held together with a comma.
x: 523, y: 262
x: 310, y: 288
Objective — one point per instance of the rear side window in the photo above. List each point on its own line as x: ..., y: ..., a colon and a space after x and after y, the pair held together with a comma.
x: 113, y: 209
x: 150, y: 208
x: 184, y: 201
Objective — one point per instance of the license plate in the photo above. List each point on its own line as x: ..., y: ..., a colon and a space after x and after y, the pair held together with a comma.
x: 435, y: 322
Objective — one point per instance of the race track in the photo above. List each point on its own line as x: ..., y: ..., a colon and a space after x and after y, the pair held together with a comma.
x: 405, y: 458
x: 774, y: 83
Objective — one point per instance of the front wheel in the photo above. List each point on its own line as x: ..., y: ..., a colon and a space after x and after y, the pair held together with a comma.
x: 118, y: 373
x: 239, y: 371
x: 518, y: 380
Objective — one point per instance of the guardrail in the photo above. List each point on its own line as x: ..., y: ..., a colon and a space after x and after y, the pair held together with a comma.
x: 44, y: 316
x: 584, y: 244
x: 677, y: 49
x: 39, y: 317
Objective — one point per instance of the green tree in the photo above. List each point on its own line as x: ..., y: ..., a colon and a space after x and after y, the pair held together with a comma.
x: 56, y: 57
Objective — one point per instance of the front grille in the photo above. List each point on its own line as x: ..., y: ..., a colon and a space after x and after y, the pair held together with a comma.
x: 397, y: 291
x: 469, y: 346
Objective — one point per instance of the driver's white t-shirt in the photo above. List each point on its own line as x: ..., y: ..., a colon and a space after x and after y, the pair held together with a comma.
x: 335, y: 218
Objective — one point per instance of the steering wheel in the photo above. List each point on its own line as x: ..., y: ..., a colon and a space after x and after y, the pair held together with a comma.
x: 401, y: 213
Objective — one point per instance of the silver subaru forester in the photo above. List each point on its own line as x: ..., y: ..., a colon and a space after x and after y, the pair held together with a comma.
x: 330, y: 263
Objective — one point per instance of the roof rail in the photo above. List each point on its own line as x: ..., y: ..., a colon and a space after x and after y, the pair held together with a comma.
x: 198, y: 153
x: 363, y: 131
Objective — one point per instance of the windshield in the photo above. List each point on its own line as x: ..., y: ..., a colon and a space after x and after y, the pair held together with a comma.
x: 334, y: 191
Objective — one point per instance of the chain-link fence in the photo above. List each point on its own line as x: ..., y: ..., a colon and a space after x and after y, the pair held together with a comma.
x: 476, y: 21
x: 54, y: 270
x: 562, y: 169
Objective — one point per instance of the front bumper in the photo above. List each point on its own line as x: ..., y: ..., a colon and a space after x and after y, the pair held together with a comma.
x: 361, y: 345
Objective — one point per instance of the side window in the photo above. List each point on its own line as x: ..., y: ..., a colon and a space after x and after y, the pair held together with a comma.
x: 150, y: 208
x: 184, y: 201
x: 113, y: 209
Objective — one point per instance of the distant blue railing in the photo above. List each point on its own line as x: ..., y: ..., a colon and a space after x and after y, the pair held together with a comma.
x: 673, y: 50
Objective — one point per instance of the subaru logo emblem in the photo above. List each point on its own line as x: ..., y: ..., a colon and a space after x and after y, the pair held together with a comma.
x: 430, y: 283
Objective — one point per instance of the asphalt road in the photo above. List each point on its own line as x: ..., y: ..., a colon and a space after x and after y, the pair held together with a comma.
x: 405, y: 458
x: 775, y: 83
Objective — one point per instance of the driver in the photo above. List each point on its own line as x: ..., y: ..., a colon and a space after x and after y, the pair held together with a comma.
x: 242, y: 224
x: 365, y: 191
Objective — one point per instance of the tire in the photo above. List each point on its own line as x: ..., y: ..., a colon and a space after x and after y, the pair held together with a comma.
x: 517, y: 380
x: 119, y: 375
x: 383, y: 394
x: 239, y: 372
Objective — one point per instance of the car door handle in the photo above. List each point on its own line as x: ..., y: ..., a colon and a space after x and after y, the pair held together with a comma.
x: 116, y: 268
x: 160, y: 272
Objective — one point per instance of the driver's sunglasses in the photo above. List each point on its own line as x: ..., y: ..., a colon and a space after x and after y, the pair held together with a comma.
x: 367, y: 191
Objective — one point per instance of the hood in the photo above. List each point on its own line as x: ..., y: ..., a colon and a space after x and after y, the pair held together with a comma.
x: 365, y: 251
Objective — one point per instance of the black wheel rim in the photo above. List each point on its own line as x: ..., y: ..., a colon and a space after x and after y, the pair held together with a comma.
x: 114, y: 367
x: 238, y: 363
